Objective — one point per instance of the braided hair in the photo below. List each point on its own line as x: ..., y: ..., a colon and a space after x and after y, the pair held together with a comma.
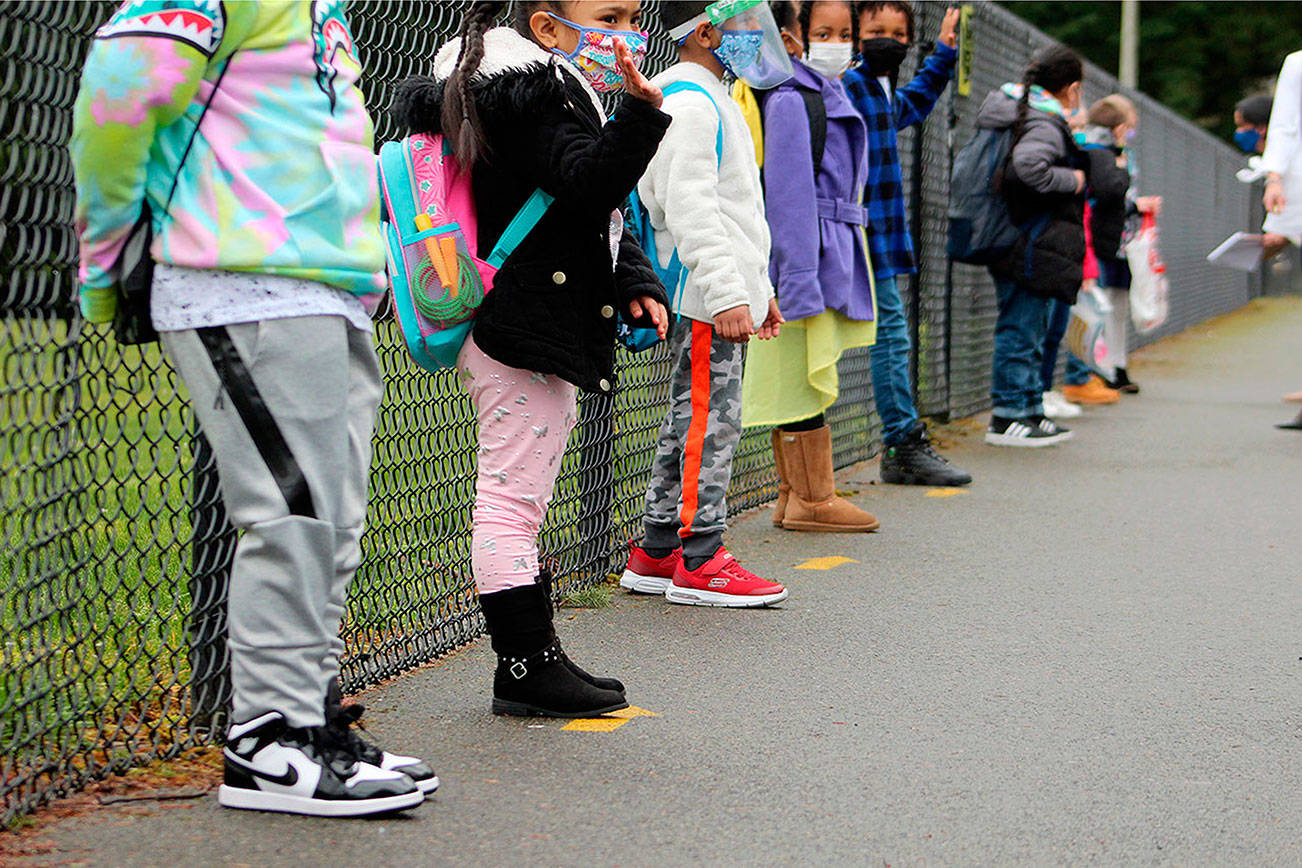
x: 785, y: 14
x: 1052, y: 68
x: 460, y: 121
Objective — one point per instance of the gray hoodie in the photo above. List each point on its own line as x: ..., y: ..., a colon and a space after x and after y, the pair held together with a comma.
x: 1038, y: 156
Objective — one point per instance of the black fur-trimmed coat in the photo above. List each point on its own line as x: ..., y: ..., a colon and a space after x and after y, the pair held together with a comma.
x: 553, y: 305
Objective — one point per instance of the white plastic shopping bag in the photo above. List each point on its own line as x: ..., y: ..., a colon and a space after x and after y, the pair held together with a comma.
x: 1085, y: 330
x: 1149, y: 305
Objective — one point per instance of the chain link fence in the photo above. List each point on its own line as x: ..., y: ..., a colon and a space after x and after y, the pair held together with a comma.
x: 114, y: 548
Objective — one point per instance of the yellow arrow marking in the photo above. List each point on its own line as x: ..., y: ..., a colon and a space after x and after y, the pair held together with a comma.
x: 825, y: 563
x: 945, y: 492
x: 608, y: 723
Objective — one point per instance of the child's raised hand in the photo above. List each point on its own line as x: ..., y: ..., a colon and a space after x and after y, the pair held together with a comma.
x: 772, y: 323
x: 645, y: 304
x: 949, y: 28
x: 735, y: 324
x: 635, y: 83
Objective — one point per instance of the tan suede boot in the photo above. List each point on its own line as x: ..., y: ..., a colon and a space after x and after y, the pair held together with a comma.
x: 784, y: 487
x: 813, y: 504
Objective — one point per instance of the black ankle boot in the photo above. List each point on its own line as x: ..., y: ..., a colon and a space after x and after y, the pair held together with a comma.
x: 913, y: 461
x: 1121, y: 382
x: 532, y: 678
x: 545, y: 579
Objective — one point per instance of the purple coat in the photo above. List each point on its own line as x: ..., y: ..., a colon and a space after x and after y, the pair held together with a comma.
x: 819, y: 258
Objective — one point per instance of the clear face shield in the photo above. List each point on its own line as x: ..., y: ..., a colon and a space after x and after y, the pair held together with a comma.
x: 751, y: 46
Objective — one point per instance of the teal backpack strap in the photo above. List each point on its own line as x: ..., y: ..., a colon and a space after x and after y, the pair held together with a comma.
x: 395, y: 187
x: 679, y: 87
x: 521, y: 225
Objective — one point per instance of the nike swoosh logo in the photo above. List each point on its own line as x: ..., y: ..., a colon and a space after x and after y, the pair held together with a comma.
x: 287, y: 779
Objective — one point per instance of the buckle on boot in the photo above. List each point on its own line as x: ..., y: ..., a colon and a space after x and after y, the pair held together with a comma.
x: 518, y: 670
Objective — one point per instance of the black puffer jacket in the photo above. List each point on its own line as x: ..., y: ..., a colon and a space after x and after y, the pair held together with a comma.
x: 1048, y: 257
x: 553, y: 304
x: 1109, y: 206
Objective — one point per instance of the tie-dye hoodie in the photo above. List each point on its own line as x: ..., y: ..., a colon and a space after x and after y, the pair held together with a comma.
x: 281, y: 177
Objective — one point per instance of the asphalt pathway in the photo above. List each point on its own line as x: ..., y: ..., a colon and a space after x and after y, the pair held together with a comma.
x: 1091, y: 655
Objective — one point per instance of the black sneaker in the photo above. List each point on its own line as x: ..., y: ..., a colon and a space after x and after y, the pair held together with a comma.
x: 1031, y: 431
x: 1121, y: 382
x: 914, y: 461
x: 274, y: 767
x: 341, y: 719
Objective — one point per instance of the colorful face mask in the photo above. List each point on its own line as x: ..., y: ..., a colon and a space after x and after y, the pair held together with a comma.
x: 595, y: 54
x: 739, y: 49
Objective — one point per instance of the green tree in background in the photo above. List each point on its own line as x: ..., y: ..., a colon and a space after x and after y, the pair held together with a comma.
x: 1198, y: 58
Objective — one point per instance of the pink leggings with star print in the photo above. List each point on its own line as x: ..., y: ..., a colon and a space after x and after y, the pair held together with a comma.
x: 525, y: 419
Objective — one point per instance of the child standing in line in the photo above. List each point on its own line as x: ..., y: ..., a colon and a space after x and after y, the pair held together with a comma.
x: 1109, y: 136
x: 1045, y: 189
x: 709, y: 206
x: 815, y: 172
x: 1103, y: 182
x: 886, y: 30
x: 260, y: 298
x: 519, y: 106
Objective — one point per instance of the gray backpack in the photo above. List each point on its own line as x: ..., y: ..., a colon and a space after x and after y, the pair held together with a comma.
x: 981, y: 230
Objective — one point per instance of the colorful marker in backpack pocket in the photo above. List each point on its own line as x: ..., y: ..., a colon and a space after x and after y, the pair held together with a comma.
x: 424, y: 224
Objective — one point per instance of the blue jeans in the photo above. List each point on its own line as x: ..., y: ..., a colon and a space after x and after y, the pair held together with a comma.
x: 889, y: 359
x: 1019, y: 348
x: 1078, y: 373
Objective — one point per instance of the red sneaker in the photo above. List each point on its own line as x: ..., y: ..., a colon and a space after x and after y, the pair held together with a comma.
x: 721, y: 581
x: 648, y: 575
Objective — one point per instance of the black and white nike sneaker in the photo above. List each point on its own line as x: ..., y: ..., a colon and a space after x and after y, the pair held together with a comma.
x: 1031, y: 431
x: 341, y: 719
x: 274, y: 767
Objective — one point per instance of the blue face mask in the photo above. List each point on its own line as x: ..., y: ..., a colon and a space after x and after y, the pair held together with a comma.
x: 1079, y: 137
x: 1247, y: 140
x: 738, y: 49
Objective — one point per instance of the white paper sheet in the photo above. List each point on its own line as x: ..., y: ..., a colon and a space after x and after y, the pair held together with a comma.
x: 1242, y: 250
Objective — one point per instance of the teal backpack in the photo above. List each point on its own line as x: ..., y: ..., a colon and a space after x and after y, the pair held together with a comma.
x: 673, y: 275
x: 431, y: 239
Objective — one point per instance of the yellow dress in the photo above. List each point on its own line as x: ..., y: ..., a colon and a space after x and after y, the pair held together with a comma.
x: 793, y: 377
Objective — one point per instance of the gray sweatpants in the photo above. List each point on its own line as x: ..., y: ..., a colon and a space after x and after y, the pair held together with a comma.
x: 686, y: 500
x: 289, y: 407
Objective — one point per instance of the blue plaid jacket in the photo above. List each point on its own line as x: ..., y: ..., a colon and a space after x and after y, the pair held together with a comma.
x: 888, y: 233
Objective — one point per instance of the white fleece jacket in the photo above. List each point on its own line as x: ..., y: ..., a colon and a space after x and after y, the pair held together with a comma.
x: 712, y: 211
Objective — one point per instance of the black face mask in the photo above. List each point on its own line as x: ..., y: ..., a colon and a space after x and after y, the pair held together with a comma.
x: 883, y: 55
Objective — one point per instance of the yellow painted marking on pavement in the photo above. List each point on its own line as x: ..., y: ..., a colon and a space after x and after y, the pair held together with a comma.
x: 610, y: 722
x: 594, y: 724
x: 825, y: 563
x: 945, y: 492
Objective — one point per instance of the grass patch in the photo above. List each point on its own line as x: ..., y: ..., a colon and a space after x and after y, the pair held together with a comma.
x: 589, y: 597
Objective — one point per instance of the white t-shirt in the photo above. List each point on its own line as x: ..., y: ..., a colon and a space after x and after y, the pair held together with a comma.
x: 191, y: 298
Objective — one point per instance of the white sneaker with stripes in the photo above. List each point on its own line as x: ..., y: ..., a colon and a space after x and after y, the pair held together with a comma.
x: 1030, y: 432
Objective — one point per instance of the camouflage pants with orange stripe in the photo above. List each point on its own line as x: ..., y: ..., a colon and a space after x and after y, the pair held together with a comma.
x: 687, y: 498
